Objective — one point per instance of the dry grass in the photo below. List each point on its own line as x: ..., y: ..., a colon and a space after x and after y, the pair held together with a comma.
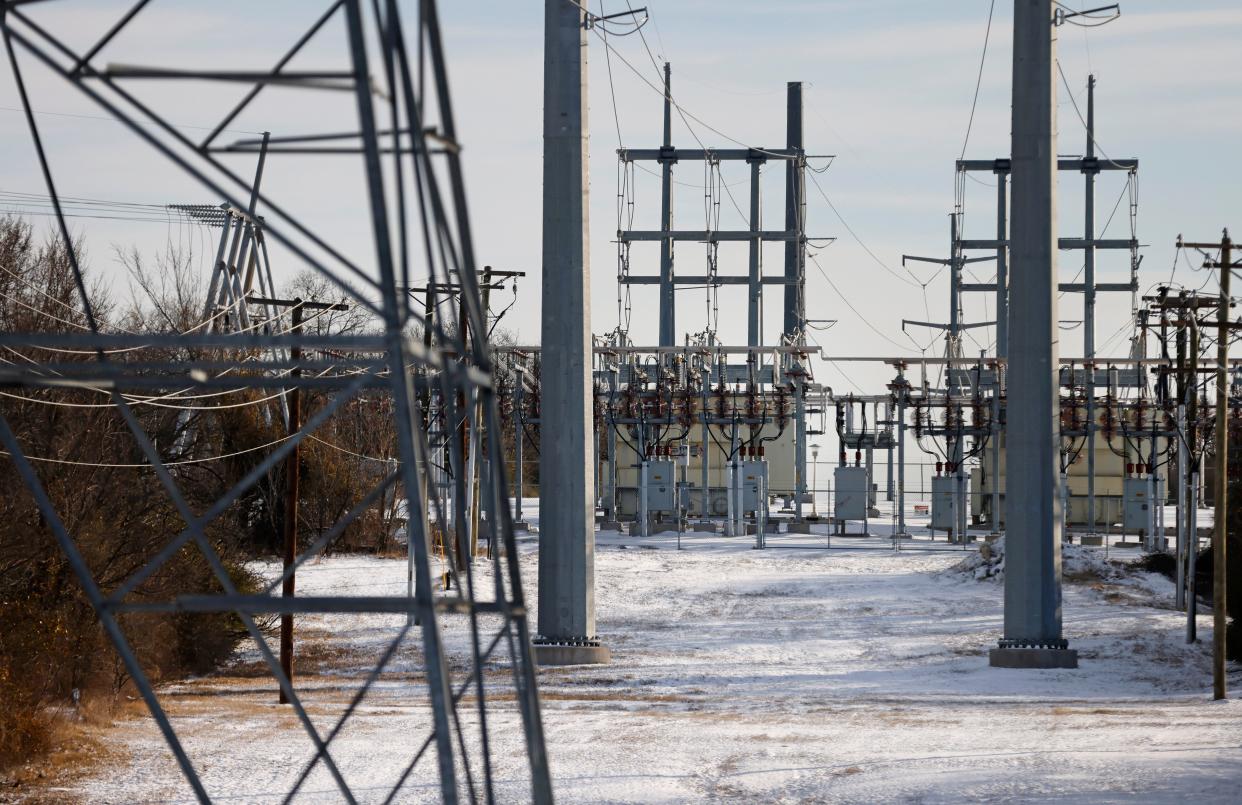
x: 1089, y: 711
x: 77, y: 747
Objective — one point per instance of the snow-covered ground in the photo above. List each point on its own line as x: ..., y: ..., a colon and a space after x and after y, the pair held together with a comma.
x: 795, y: 674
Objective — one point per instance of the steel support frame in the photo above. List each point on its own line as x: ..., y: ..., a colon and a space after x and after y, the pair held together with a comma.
x: 457, y: 368
x: 1089, y: 165
x: 793, y: 278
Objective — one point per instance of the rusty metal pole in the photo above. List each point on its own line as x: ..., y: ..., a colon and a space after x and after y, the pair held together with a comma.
x: 291, y: 504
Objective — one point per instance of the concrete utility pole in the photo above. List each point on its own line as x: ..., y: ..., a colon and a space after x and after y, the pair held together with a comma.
x: 1090, y: 169
x: 795, y: 250
x: 566, y: 506
x: 668, y: 296
x: 1032, y: 636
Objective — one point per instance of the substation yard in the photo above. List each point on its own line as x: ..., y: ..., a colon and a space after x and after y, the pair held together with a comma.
x: 793, y: 674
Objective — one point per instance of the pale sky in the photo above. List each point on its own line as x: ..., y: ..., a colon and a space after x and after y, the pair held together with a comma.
x: 888, y: 83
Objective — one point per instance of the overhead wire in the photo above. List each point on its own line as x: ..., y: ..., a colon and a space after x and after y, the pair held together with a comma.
x: 850, y: 305
x: 176, y: 463
x: 987, y: 34
x: 912, y: 281
x: 682, y: 111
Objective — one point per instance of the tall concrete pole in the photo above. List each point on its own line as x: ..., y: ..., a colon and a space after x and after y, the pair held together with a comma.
x: 795, y: 250
x: 566, y: 508
x: 668, y: 295
x: 754, y: 305
x: 1032, y: 635
x: 1002, y: 265
x: 1088, y: 317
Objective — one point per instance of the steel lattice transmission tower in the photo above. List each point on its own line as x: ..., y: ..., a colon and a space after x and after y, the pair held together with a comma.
x: 402, y: 127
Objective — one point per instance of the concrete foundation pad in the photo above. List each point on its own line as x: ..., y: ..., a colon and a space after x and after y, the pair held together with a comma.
x: 553, y: 654
x: 1093, y: 542
x: 706, y: 526
x: 1033, y: 658
x: 609, y: 525
x: 800, y: 528
x: 521, y: 525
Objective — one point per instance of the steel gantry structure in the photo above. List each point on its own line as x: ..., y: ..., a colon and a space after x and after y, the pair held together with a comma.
x: 793, y: 277
x: 402, y: 126
x: 1090, y: 165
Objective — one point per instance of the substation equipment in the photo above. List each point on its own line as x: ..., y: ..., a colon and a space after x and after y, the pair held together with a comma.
x: 696, y: 428
x: 736, y: 430
x: 714, y: 435
x: 1113, y: 440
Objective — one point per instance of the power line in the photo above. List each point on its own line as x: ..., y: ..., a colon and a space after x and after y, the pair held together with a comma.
x: 114, y: 120
x: 681, y: 110
x: 850, y: 305
x: 978, y: 80
x: 148, y: 464
x: 859, y: 240
x: 836, y: 365
x: 1083, y: 120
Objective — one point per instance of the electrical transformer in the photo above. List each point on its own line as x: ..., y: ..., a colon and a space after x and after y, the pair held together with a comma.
x: 754, y: 484
x: 851, y: 497
x: 944, y: 515
x: 1136, y: 509
x: 661, y: 485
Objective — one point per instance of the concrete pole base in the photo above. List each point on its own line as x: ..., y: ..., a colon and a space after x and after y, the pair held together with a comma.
x: 565, y: 654
x: 521, y: 525
x: 1033, y: 658
x: 609, y: 525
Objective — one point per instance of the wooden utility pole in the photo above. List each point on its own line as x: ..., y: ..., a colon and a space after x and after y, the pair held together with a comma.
x: 1220, y: 516
x: 291, y: 504
x: 490, y: 279
x: 476, y: 447
x: 290, y: 529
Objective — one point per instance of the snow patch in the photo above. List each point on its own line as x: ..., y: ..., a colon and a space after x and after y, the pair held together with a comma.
x: 1078, y: 564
